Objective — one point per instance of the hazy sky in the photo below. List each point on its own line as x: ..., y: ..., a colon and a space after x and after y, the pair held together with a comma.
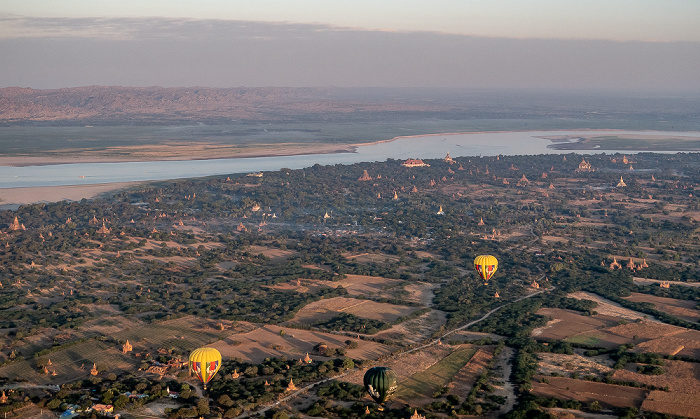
x: 575, y: 44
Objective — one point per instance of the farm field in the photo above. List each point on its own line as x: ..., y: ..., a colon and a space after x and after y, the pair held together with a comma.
x: 422, y: 385
x: 465, y: 378
x: 683, y: 309
x: 684, y: 343
x: 567, y: 323
x: 330, y: 307
x: 563, y: 364
x: 262, y: 342
x: 414, y: 330
x: 609, y: 308
x: 686, y: 405
x: 608, y: 395
x: 679, y: 376
x: 636, y: 332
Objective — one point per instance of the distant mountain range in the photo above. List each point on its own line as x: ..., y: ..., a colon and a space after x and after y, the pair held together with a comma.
x: 158, y: 105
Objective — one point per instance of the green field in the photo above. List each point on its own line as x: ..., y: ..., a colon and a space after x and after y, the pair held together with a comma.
x: 426, y: 383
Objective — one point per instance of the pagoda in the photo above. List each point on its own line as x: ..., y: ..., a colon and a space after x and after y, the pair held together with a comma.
x: 440, y: 211
x: 104, y: 229
x: 665, y: 284
x: 235, y: 374
x: 367, y: 412
x: 307, y: 359
x: 414, y: 190
x: 94, y: 371
x: 365, y: 176
x: 621, y: 183
x: 496, y: 295
x: 127, y: 347
x: 16, y: 226
x: 416, y: 415
x: 3, y: 398
x: 449, y: 159
x: 396, y: 196
x: 523, y: 180
x: 255, y: 208
x: 481, y: 222
x: 291, y: 386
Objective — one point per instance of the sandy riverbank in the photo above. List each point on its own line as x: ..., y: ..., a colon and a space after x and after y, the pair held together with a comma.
x: 10, y: 197
x: 171, y: 152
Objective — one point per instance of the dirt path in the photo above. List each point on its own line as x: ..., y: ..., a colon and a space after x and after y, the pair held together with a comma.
x: 503, y: 368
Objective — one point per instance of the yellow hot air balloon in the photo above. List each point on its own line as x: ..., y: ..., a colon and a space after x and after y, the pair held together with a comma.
x: 204, y: 363
x: 486, y: 266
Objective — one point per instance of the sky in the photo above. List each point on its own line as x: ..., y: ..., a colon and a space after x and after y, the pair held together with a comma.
x: 641, y: 45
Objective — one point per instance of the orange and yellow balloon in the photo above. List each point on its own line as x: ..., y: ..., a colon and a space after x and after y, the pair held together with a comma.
x: 204, y: 363
x: 485, y: 266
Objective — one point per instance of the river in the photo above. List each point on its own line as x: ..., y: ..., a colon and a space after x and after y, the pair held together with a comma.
x: 422, y: 147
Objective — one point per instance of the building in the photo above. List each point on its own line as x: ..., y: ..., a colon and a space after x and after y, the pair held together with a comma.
x: 449, y: 159
x: 414, y: 163
x: 365, y: 176
x: 584, y: 166
x: 621, y: 183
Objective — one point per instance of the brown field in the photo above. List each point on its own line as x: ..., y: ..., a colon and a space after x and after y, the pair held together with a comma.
x: 634, y: 332
x: 686, y: 405
x: 608, y: 395
x: 330, y: 307
x: 567, y: 323
x: 414, y: 330
x: 678, y: 376
x: 683, y: 309
x: 274, y: 254
x: 465, y: 378
x: 684, y: 343
x: 362, y: 284
x: 372, y: 257
x: 610, y: 308
x: 565, y: 364
x: 263, y: 342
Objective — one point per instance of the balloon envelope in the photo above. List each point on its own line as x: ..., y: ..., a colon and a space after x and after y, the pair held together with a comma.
x: 204, y: 363
x: 380, y: 383
x: 485, y: 266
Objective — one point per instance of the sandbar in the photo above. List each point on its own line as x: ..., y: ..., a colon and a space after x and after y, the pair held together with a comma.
x: 10, y: 197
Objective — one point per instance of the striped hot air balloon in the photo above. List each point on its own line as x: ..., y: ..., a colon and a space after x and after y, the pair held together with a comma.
x: 204, y: 363
x: 380, y: 383
x: 485, y: 266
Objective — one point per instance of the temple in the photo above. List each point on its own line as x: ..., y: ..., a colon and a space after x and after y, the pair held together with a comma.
x: 365, y: 176
x: 621, y: 183
x: 584, y: 166
x: 414, y: 163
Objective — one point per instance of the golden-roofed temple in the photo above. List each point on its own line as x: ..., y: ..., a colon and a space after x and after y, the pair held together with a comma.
x: 94, y: 371
x: 308, y: 359
x: 235, y: 374
x: 621, y: 183
x: 416, y: 415
x: 3, y: 398
x: 127, y: 347
x: 449, y: 159
x: 291, y: 386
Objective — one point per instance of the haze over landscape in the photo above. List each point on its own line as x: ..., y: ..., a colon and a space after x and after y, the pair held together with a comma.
x: 350, y: 209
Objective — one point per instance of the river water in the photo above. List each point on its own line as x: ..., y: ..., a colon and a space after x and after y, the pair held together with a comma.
x: 421, y: 147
